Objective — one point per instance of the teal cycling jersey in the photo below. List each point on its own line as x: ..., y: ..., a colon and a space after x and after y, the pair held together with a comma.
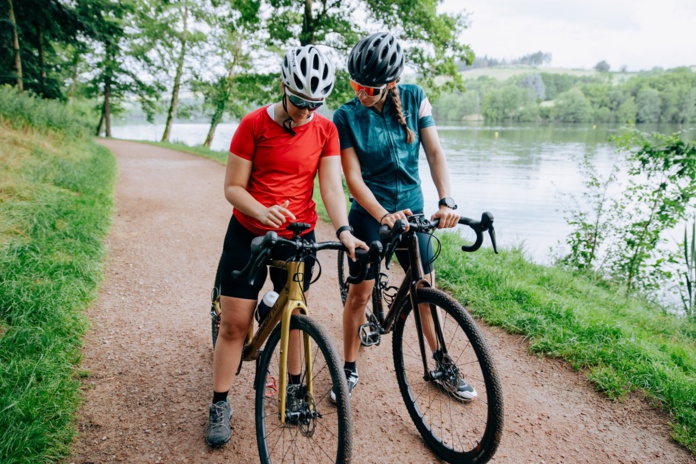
x: 388, y: 164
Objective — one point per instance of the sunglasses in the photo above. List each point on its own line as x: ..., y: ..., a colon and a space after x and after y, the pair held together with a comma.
x: 369, y: 91
x: 302, y: 104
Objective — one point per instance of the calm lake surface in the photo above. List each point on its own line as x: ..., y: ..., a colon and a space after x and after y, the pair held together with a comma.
x: 518, y: 173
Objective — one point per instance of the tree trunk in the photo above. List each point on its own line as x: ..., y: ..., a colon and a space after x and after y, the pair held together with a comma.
x: 177, y: 82
x: 107, y: 106
x: 307, y: 34
x: 73, y: 84
x: 15, y: 44
x: 42, y: 61
x: 101, y: 122
x: 217, y: 117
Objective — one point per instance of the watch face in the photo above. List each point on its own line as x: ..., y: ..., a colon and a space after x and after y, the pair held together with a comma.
x: 449, y: 202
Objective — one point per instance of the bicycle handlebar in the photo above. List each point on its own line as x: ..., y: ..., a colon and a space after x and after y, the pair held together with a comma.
x: 420, y: 224
x: 261, y: 248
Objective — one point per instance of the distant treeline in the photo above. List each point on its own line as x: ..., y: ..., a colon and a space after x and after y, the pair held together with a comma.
x: 532, y: 59
x: 655, y: 96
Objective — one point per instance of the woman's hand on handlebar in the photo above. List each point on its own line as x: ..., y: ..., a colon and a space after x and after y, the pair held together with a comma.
x: 351, y: 243
x: 390, y: 219
x: 448, y: 218
x: 276, y: 215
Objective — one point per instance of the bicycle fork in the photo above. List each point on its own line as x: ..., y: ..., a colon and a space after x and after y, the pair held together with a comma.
x: 294, y: 302
x: 418, y: 281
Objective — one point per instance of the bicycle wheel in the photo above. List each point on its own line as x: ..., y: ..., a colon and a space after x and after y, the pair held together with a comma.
x: 316, y: 429
x: 457, y: 430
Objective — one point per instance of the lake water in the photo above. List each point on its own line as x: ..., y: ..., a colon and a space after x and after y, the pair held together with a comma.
x: 518, y: 173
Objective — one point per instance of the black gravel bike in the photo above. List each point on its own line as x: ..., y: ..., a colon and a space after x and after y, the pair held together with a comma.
x: 295, y: 423
x: 436, y: 346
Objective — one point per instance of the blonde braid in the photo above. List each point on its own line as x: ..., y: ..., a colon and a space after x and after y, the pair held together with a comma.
x: 394, y: 91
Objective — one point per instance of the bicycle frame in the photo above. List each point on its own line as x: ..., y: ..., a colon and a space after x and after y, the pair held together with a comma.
x: 411, y: 283
x: 291, y: 298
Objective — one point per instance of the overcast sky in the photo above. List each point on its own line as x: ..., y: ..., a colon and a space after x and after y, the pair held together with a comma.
x: 640, y: 34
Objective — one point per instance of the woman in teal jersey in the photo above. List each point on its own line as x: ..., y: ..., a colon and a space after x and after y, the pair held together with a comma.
x: 381, y: 131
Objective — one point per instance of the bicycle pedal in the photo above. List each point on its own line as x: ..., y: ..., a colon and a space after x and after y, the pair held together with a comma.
x: 369, y: 335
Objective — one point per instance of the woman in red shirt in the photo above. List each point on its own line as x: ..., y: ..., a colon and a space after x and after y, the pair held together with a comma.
x: 274, y: 157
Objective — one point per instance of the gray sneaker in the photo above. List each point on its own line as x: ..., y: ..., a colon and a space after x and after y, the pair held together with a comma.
x: 450, y: 380
x: 352, y: 379
x: 219, y: 431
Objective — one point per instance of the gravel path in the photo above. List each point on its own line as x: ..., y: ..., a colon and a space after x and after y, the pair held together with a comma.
x: 149, y: 354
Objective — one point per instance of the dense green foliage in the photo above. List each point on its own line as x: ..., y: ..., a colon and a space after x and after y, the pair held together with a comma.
x: 55, y: 202
x: 649, y: 97
x: 228, y: 51
x: 622, y: 344
x: 620, y: 228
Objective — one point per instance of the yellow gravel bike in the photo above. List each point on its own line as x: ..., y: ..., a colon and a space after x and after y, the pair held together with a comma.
x: 296, y: 423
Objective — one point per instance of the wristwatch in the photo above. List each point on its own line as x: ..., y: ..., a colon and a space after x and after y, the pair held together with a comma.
x: 342, y: 229
x: 448, y: 202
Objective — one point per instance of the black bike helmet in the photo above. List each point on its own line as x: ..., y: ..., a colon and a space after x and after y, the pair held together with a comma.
x: 376, y: 60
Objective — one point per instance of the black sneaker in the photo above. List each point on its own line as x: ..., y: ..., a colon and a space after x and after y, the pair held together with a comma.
x: 352, y: 379
x: 219, y: 430
x: 450, y: 380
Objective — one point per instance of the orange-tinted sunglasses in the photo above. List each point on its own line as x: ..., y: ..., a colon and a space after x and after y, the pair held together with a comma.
x: 369, y: 91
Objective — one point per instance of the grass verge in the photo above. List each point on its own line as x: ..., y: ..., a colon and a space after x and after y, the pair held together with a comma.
x: 622, y: 344
x: 56, y: 191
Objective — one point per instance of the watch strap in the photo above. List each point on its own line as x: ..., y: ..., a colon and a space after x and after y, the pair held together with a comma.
x: 342, y: 229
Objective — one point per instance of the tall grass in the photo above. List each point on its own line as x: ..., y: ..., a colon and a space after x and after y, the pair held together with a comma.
x: 56, y: 192
x: 44, y: 116
x: 622, y: 344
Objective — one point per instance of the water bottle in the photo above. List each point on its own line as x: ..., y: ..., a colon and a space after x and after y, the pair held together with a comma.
x: 265, y: 305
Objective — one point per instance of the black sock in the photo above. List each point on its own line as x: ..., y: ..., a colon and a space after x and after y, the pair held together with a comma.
x: 295, y: 379
x: 219, y: 396
x: 350, y: 366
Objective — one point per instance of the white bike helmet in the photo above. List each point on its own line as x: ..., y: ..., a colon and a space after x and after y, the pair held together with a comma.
x: 306, y: 71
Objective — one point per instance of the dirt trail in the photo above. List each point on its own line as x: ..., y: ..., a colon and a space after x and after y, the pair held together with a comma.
x: 149, y: 355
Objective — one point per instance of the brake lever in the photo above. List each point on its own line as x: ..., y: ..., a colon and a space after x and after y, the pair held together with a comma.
x: 491, y: 233
x: 396, y: 231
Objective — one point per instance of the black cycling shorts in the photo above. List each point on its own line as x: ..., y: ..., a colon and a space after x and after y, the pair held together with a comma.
x: 366, y: 228
x: 235, y: 255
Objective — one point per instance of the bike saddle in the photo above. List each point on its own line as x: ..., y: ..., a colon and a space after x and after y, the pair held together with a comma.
x: 298, y: 227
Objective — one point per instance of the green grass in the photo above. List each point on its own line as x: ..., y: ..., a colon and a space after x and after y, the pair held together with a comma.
x: 56, y: 191
x: 622, y: 344
x: 200, y: 150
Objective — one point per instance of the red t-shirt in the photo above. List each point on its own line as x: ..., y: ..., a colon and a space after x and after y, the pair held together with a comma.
x: 283, y: 166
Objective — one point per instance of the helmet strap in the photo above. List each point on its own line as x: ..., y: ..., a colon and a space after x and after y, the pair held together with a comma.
x: 287, y: 124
